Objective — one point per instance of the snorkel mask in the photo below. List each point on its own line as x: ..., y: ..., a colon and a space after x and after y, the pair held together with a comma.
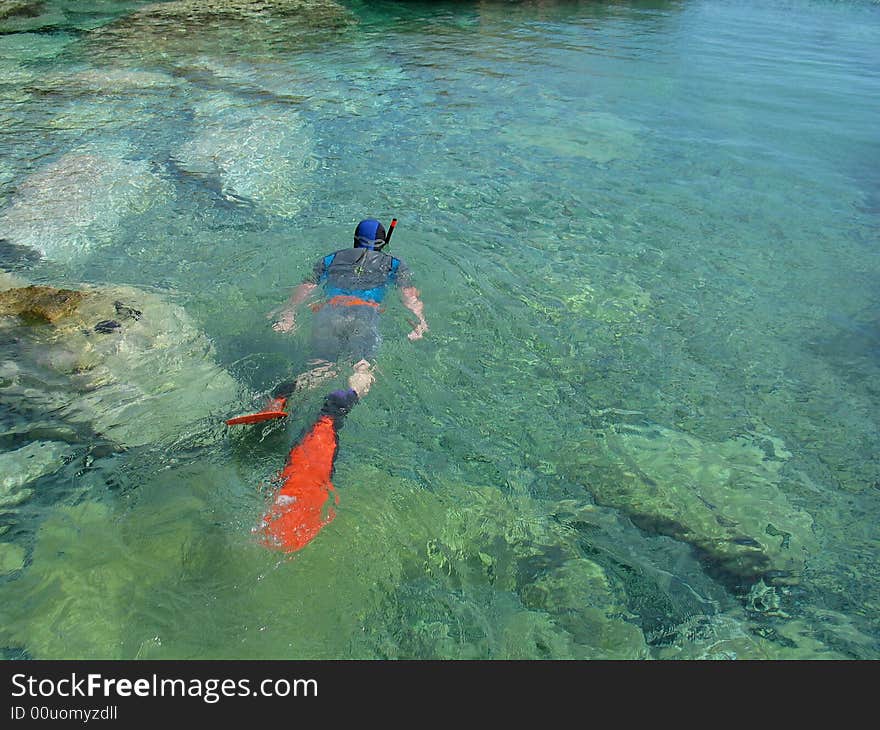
x: 370, y: 234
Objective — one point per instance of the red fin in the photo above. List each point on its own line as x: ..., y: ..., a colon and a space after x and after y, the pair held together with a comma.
x: 301, y: 508
x: 272, y: 410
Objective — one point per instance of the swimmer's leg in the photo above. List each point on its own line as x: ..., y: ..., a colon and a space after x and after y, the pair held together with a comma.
x: 363, y: 344
x: 322, y: 371
x: 306, y: 500
x: 275, y: 405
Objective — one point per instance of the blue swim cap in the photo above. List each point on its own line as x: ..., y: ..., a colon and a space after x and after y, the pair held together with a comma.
x: 369, y: 233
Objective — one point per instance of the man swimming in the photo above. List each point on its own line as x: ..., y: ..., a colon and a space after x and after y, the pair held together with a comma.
x: 346, y: 327
x: 346, y: 323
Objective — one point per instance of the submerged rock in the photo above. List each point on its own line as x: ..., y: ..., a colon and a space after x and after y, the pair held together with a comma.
x: 105, y: 79
x: 722, y: 498
x: 198, y: 12
x: 33, y: 15
x: 83, y: 585
x: 13, y: 78
x: 20, y: 8
x: 124, y: 361
x: 453, y: 573
x: 26, y: 47
x: 114, y: 115
x: 27, y: 464
x: 257, y: 157
x: 548, y: 598
x: 723, y: 637
x: 78, y: 201
x: 117, y: 102
x: 402, y: 572
x: 174, y: 30
x: 11, y: 558
x: 596, y: 136
x: 44, y: 303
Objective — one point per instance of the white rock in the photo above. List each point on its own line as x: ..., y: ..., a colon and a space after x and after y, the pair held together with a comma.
x: 24, y: 465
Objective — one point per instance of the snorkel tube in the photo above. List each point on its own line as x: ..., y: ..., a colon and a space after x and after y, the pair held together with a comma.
x: 387, y: 235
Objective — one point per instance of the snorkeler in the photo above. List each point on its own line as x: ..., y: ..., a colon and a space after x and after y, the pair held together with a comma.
x: 346, y: 324
x: 346, y: 327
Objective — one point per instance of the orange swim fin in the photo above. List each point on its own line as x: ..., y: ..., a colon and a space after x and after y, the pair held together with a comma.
x: 274, y: 409
x: 302, y: 506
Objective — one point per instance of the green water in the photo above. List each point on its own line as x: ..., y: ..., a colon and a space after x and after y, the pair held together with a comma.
x: 643, y: 423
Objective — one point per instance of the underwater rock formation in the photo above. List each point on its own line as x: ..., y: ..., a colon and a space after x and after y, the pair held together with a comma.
x: 78, y: 201
x: 83, y: 82
x: 19, y: 74
x: 27, y: 464
x: 171, y: 31
x: 548, y: 599
x: 258, y: 158
x: 404, y: 572
x: 12, y: 557
x: 198, y: 12
x: 86, y: 582
x: 722, y: 498
x: 599, y: 137
x: 40, y: 303
x: 25, y: 16
x: 20, y: 8
x: 127, y: 363
x: 114, y: 79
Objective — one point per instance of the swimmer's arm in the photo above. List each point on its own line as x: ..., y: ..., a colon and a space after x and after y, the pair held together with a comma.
x: 285, y: 316
x: 411, y: 301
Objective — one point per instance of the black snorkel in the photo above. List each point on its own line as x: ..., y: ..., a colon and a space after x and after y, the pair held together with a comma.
x: 387, y: 235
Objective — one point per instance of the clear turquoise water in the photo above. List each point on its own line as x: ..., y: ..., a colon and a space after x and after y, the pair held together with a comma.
x: 646, y: 236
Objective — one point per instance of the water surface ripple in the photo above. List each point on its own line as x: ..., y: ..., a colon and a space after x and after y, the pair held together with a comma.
x: 643, y: 423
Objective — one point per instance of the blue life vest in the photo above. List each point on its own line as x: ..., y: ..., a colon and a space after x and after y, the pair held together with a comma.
x: 376, y: 294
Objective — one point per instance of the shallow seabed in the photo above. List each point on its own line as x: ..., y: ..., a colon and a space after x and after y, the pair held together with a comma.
x: 643, y: 423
